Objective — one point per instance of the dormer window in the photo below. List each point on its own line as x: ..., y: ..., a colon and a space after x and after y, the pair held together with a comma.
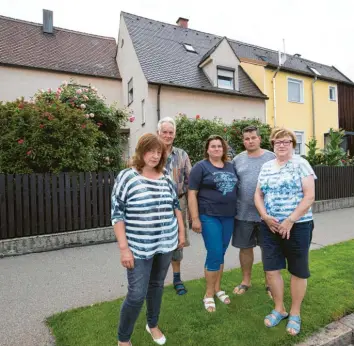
x: 226, y: 78
x: 189, y: 47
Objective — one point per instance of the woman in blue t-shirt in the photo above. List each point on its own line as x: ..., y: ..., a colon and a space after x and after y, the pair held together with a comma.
x: 212, y: 204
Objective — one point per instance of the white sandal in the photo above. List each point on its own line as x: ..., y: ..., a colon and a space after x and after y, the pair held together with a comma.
x: 209, y: 303
x: 160, y: 341
x: 222, y: 297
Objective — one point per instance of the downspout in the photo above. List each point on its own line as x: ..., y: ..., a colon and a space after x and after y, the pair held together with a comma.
x: 274, y: 97
x: 313, y: 108
x: 158, y: 102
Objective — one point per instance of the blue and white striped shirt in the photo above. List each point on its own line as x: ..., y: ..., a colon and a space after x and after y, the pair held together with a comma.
x: 282, y: 187
x: 147, y: 208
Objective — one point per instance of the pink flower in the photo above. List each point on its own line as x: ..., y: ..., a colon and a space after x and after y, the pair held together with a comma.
x: 20, y: 106
x: 82, y: 106
x: 20, y: 141
x: 59, y: 90
x: 132, y: 118
x: 87, y: 116
x: 49, y: 90
x: 41, y: 126
x: 85, y: 97
x: 79, y: 91
x: 99, y: 124
x: 29, y: 152
x: 197, y: 116
x: 85, y: 90
x: 83, y: 126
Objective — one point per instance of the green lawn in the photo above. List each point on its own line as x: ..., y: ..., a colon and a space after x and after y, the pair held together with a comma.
x: 185, y: 322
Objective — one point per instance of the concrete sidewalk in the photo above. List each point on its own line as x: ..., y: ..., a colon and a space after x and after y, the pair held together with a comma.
x: 33, y: 287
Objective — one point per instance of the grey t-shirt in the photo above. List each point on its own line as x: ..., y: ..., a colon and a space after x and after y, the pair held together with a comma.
x: 247, y: 170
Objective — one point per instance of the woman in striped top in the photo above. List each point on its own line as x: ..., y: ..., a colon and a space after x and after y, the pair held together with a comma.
x: 148, y: 225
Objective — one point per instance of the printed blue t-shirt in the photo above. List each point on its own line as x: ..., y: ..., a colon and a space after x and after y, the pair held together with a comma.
x: 216, y: 188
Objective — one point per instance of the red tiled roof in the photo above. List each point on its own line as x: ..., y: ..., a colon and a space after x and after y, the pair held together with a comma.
x: 24, y: 44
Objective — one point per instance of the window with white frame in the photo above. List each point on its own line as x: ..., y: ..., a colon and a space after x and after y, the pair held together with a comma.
x: 333, y: 93
x: 143, y: 115
x: 226, y: 78
x: 295, y: 90
x: 130, y: 92
x: 300, y: 143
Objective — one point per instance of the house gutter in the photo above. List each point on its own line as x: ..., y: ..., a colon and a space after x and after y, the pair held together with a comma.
x: 274, y: 97
x: 313, y: 108
x: 158, y: 102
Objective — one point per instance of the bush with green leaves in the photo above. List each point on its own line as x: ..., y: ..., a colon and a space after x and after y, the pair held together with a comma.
x: 332, y: 154
x: 68, y: 129
x: 192, y: 133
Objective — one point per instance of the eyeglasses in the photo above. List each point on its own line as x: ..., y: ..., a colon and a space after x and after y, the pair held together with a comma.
x: 284, y: 143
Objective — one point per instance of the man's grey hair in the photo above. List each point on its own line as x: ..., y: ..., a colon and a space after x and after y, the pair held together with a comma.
x: 166, y: 120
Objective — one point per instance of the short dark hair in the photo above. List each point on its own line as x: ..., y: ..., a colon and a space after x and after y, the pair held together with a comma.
x: 224, y: 157
x: 147, y: 142
x: 251, y: 128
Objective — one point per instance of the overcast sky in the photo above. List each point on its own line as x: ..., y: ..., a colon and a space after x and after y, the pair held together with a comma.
x: 320, y: 30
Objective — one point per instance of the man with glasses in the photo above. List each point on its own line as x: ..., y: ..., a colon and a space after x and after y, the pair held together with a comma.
x: 246, y: 234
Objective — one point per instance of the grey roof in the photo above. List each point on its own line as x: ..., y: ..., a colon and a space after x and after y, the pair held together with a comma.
x: 292, y: 63
x: 163, y: 58
x: 24, y: 44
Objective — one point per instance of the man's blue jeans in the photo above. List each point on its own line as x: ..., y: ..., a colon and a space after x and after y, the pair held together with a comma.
x: 145, y: 281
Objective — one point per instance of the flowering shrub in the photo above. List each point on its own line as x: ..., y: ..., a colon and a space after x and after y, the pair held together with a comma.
x: 192, y: 133
x: 68, y: 129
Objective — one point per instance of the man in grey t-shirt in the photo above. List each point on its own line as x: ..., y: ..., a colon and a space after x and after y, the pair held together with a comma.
x: 246, y: 234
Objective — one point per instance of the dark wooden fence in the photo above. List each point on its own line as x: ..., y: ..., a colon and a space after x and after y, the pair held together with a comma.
x: 334, y: 182
x: 34, y: 204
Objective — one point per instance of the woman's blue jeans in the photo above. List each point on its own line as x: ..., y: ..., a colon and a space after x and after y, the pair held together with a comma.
x: 145, y: 281
x: 216, y: 232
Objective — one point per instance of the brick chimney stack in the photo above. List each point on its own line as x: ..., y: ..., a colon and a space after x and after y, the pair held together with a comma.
x: 182, y: 22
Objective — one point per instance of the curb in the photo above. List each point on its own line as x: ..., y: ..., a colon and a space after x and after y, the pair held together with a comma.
x: 340, y: 333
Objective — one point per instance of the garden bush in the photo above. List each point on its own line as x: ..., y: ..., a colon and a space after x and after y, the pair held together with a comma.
x: 192, y: 133
x: 68, y: 129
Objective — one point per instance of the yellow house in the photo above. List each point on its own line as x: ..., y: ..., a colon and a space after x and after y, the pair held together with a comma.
x: 302, y: 94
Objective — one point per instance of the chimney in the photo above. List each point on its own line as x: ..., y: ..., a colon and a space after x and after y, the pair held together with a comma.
x: 182, y: 22
x: 48, y: 21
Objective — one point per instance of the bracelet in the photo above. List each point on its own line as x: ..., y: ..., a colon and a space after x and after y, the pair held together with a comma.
x: 290, y: 219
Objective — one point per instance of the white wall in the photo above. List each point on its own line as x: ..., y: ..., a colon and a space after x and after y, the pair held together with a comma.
x: 129, y: 67
x: 16, y: 82
x: 223, y: 56
x: 208, y: 105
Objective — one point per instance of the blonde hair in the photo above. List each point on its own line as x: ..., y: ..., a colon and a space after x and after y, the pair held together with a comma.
x: 281, y: 132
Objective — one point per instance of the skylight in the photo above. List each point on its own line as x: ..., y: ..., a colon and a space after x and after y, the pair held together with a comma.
x: 189, y: 47
x: 314, y: 71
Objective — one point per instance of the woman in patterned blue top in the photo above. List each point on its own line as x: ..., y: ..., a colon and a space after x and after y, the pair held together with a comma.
x: 212, y: 205
x: 284, y: 195
x: 148, y: 225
